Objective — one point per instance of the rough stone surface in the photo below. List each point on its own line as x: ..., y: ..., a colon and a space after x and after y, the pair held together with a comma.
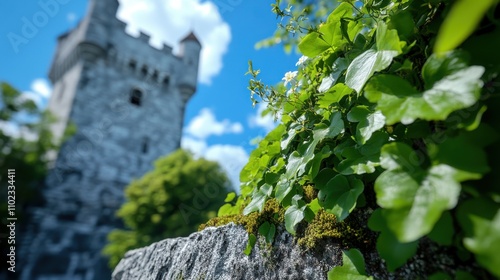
x: 217, y: 253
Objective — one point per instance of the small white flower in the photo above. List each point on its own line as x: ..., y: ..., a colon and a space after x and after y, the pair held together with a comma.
x: 335, y: 67
x: 302, y: 60
x: 289, y: 77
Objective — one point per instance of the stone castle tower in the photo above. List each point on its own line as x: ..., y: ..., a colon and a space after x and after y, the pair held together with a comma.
x: 127, y: 100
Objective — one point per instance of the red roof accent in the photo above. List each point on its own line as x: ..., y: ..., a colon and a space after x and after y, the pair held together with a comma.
x: 191, y: 37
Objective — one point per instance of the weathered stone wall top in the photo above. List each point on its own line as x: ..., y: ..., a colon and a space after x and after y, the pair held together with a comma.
x: 217, y: 253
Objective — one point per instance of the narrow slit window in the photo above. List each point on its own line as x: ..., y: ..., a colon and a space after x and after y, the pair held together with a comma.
x: 166, y: 81
x: 145, y: 145
x: 136, y: 97
x: 155, y: 75
x: 132, y: 64
x: 144, y: 70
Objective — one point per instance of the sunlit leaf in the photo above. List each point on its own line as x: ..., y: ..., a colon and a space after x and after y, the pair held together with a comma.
x: 463, y: 18
x: 353, y: 267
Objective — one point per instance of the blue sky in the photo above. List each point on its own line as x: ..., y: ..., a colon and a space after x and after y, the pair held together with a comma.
x: 220, y: 121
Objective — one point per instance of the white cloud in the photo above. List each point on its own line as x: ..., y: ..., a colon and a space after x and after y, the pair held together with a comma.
x: 205, y: 124
x: 267, y: 122
x: 198, y: 147
x: 170, y: 20
x: 40, y: 92
x: 14, y: 130
x: 231, y: 158
x: 42, y: 87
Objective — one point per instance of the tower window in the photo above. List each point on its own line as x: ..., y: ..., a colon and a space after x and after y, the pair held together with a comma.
x: 166, y: 81
x: 136, y: 97
x: 132, y: 64
x: 144, y: 70
x: 155, y: 75
x: 145, y: 145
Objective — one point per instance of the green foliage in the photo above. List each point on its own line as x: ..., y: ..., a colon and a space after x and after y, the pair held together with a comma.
x: 373, y: 119
x: 454, y: 29
x: 353, y: 267
x: 170, y: 201
x: 297, y: 18
x: 23, y: 149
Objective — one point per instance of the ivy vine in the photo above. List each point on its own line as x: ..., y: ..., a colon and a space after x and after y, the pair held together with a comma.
x: 386, y: 110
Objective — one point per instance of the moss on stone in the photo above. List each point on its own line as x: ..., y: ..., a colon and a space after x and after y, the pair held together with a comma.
x: 310, y: 193
x: 325, y: 227
x: 272, y: 213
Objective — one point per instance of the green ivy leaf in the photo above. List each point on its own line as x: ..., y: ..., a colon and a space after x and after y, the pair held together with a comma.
x: 443, y: 230
x: 403, y: 22
x: 335, y: 128
x: 325, y: 175
x: 314, y: 206
x: 369, y: 122
x: 440, y: 276
x: 398, y: 156
x: 485, y: 243
x: 290, y: 135
x: 377, y: 59
x: 258, y: 199
x: 353, y: 267
x: 333, y: 95
x: 462, y: 20
x: 225, y: 210
x: 283, y: 188
x: 477, y: 207
x: 362, y: 159
x: 318, y: 158
x: 230, y: 196
x: 295, y: 165
x: 471, y: 162
x: 250, y: 244
x: 400, y: 102
x: 439, y: 66
x: 390, y: 249
x: 368, y: 126
x: 394, y: 252
x: 330, y: 34
x: 268, y: 231
x: 339, y: 195
x: 413, y: 202
x: 271, y: 178
x: 338, y: 67
x: 293, y: 216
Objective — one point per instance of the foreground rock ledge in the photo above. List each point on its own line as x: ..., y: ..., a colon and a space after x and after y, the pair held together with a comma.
x: 217, y: 253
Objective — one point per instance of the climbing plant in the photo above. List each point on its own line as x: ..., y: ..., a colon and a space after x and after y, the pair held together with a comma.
x: 391, y: 109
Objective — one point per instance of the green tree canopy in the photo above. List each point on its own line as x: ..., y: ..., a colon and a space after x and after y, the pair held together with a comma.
x: 170, y: 201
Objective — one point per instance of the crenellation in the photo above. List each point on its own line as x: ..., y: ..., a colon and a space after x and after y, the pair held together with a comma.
x: 144, y: 37
x: 166, y: 49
